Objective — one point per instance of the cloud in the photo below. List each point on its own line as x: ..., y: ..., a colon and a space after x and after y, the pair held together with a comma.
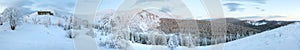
x: 18, y: 4
x: 165, y: 9
x: 142, y: 1
x: 60, y: 5
x: 258, y: 8
x: 233, y: 6
x: 15, y: 3
x: 253, y: 1
x: 262, y: 17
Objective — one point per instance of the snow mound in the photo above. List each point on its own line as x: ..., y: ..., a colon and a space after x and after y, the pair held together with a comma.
x: 34, y: 37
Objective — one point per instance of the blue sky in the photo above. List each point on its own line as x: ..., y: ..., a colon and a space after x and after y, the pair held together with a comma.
x: 232, y: 8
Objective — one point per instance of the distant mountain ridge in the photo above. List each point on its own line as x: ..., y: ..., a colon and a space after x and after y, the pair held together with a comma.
x: 235, y: 28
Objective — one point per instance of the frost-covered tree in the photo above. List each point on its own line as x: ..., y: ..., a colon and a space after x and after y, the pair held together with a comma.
x: 68, y: 23
x: 173, y: 42
x: 105, y: 27
x: 205, y: 41
x: 190, y: 40
x: 13, y: 14
x: 73, y: 23
x: 70, y: 34
x: 238, y: 36
x: 1, y: 20
x: 12, y: 22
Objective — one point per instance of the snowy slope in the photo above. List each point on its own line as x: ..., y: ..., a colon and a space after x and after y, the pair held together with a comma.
x: 283, y: 38
x: 34, y: 37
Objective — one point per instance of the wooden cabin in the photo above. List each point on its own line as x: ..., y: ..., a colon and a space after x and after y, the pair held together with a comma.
x: 44, y: 13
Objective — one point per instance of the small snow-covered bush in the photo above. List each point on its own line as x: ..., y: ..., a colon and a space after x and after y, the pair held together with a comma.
x: 91, y: 33
x: 116, y: 43
x: 121, y: 44
x: 108, y: 43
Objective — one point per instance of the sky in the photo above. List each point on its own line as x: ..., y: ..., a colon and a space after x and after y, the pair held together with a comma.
x: 231, y: 8
x: 235, y: 8
x: 267, y: 8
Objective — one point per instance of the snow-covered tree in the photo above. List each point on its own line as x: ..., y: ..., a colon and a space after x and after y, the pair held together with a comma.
x: 1, y: 20
x: 13, y: 14
x: 173, y: 42
x: 73, y: 23
x: 70, y: 34
x: 190, y: 40
x: 68, y: 21
x: 205, y: 41
x: 238, y: 36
